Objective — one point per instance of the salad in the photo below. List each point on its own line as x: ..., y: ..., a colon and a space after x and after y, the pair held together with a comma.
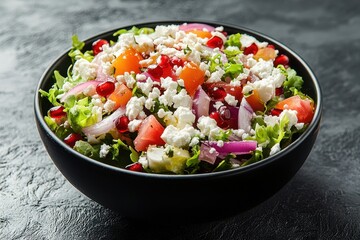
x: 178, y: 99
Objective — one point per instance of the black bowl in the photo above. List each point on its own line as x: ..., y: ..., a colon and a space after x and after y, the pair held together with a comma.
x: 180, y: 197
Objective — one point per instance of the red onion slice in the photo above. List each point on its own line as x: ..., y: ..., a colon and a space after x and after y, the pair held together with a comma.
x: 201, y: 103
x: 105, y: 125
x: 235, y: 147
x: 79, y: 89
x: 206, y: 154
x: 196, y: 26
x: 245, y: 115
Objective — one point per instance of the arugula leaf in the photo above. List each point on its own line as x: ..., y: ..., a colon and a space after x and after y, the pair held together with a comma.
x: 234, y: 40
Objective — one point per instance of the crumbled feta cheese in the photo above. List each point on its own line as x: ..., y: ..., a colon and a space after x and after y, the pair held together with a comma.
x: 145, y: 87
x: 89, y: 90
x: 216, y: 76
x: 109, y: 105
x: 262, y: 68
x: 134, y: 125
x: 271, y: 120
x: 178, y: 137
x: 230, y: 99
x: 220, y: 143
x: 134, y: 107
x: 84, y: 69
x: 217, y: 105
x: 291, y: 115
x: 104, y: 150
x: 184, y: 117
x: 194, y: 141
x: 206, y: 124
x: 212, y: 150
x: 182, y: 99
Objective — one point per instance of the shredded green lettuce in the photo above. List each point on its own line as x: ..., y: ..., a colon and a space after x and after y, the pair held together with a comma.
x: 232, y: 70
x: 135, y: 30
x: 80, y: 115
x: 234, y: 40
x: 293, y: 83
x: 76, y: 50
x: 116, y: 148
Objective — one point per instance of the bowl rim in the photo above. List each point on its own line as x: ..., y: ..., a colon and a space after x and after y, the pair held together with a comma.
x: 312, y: 126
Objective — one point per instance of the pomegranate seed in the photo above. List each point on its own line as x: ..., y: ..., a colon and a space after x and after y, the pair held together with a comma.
x: 215, y: 42
x: 282, y: 59
x: 57, y: 112
x: 136, y: 167
x: 105, y: 88
x: 275, y: 112
x: 72, y: 138
x: 97, y: 46
x: 219, y: 121
x: 225, y: 33
x: 122, y: 124
x: 218, y: 94
x: 252, y: 49
x: 177, y: 61
x: 164, y: 61
x: 225, y: 113
x: 271, y: 46
x: 155, y: 71
x: 279, y: 91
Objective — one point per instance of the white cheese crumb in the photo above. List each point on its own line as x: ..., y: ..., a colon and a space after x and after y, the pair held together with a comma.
x: 109, y: 105
x: 104, y: 150
x: 230, y: 99
x: 134, y: 125
x: 134, y: 107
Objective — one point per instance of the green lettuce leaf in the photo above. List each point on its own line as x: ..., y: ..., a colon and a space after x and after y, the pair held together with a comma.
x: 135, y: 30
x: 76, y: 50
x: 85, y: 148
x: 59, y: 131
x: 116, y: 148
x: 80, y: 114
x: 234, y: 40
x: 293, y: 83
x: 232, y: 70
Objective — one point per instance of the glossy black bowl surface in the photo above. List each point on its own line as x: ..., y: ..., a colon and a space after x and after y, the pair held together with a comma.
x: 180, y: 197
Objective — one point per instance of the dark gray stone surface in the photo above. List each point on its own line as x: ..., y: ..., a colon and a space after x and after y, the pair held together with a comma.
x: 321, y: 202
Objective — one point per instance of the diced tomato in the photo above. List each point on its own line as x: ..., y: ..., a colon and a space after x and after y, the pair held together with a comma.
x: 236, y: 91
x: 120, y: 96
x: 128, y: 61
x: 193, y: 77
x: 265, y: 53
x: 303, y: 107
x: 255, y: 101
x: 149, y: 133
x: 201, y: 34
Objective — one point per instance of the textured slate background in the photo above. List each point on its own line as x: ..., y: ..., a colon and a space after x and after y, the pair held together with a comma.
x: 321, y: 202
